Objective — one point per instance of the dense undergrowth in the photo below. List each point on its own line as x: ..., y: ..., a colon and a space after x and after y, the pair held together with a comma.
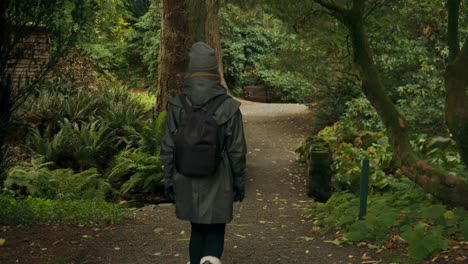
x: 399, y: 212
x: 78, y: 152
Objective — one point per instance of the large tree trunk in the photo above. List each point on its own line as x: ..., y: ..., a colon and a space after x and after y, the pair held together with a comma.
x: 446, y: 187
x: 175, y: 44
x: 456, y: 83
x: 184, y: 22
x: 213, y: 36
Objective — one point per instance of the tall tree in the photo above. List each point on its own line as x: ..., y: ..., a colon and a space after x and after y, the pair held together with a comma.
x: 174, y: 45
x: 446, y: 187
x: 183, y: 23
x: 456, y: 82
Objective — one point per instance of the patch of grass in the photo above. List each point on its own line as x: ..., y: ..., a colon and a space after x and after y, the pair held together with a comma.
x: 28, y: 210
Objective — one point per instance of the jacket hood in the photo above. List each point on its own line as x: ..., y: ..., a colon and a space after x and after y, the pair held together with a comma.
x: 200, y: 90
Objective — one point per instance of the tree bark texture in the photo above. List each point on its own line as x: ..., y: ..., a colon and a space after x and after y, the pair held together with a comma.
x: 184, y: 22
x: 456, y: 83
x: 174, y: 48
x: 448, y: 188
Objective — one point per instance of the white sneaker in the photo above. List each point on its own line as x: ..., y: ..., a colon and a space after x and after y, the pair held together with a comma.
x: 210, y: 260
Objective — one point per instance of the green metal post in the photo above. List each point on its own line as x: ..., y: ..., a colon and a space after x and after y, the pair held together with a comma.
x: 364, y: 189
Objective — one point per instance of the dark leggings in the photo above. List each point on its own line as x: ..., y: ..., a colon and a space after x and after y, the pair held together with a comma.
x: 206, y: 240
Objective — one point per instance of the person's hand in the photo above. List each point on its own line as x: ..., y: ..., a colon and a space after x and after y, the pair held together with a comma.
x: 239, y: 193
x: 169, y: 193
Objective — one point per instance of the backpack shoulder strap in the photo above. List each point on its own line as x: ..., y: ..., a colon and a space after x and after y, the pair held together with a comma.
x: 187, y: 107
x: 216, y: 103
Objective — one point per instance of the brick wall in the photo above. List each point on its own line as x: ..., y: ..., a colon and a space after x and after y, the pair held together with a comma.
x: 30, y: 57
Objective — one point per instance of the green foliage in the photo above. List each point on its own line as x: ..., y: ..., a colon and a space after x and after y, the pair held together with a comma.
x: 103, y: 123
x: 441, y: 151
x: 146, y: 136
x: 37, y: 180
x: 360, y: 116
x: 143, y: 42
x: 134, y: 171
x: 406, y: 214
x: 331, y: 101
x: 122, y: 109
x: 28, y: 210
x: 147, y: 99
x: 423, y: 243
x: 348, y: 153
x: 76, y: 146
x: 398, y: 210
x: 246, y: 44
x: 287, y: 87
x: 255, y: 50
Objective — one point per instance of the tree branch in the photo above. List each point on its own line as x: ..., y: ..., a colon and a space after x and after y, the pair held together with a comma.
x: 452, y: 38
x: 337, y: 11
x: 373, y: 8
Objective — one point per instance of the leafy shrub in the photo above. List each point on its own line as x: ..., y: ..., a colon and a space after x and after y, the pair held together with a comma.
x: 136, y: 172
x: 37, y: 180
x: 75, y: 146
x: 146, y: 136
x: 29, y: 210
x: 287, y: 87
x: 122, y: 109
x: 246, y: 44
x: 144, y: 42
x: 331, y: 102
x: 399, y: 211
x: 442, y: 152
x: 348, y: 156
x: 405, y: 215
x: 359, y: 116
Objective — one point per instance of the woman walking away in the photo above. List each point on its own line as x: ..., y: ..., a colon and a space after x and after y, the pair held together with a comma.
x: 203, y: 151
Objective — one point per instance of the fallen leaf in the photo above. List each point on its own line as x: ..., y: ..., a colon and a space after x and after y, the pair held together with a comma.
x: 365, y: 256
x: 241, y: 236
x: 335, y: 242
x: 2, y: 242
x: 305, y: 238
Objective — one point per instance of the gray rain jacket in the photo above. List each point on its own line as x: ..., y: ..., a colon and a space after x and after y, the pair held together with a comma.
x: 206, y: 200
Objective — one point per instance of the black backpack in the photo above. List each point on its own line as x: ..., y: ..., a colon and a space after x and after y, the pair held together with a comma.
x: 198, y: 140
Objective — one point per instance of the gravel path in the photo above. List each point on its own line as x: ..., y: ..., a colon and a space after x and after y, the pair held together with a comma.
x: 268, y: 226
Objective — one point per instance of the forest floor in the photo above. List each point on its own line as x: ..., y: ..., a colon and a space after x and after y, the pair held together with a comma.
x: 268, y: 226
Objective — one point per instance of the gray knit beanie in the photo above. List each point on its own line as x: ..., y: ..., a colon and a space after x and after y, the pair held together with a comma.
x: 202, y: 58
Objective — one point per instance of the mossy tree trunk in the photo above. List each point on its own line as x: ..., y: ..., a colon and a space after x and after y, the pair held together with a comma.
x: 446, y: 187
x: 183, y: 23
x: 456, y: 83
x: 175, y: 44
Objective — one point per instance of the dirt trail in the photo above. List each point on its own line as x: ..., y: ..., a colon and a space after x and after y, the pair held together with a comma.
x: 268, y: 226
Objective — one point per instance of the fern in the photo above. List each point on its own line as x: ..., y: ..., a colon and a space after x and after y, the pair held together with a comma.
x: 85, y: 185
x: 134, y: 171
x: 76, y: 146
x: 37, y: 180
